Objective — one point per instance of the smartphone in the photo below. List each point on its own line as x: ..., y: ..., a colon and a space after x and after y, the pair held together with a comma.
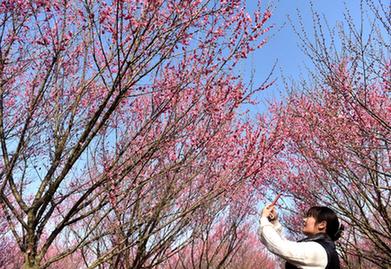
x: 276, y: 199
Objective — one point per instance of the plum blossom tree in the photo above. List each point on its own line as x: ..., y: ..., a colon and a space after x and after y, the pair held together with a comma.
x: 337, y: 129
x: 120, y: 123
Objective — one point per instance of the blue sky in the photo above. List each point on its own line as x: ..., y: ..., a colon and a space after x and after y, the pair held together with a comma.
x: 283, y: 44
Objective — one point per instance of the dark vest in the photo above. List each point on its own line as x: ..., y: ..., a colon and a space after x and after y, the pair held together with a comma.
x: 325, y: 241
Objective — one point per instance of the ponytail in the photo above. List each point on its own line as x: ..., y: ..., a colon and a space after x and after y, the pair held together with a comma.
x: 338, y: 233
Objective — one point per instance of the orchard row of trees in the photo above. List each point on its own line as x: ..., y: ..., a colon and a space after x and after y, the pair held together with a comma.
x: 121, y: 141
x: 337, y: 126
x: 124, y: 143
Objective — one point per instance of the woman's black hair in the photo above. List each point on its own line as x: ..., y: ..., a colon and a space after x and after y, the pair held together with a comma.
x: 334, y: 228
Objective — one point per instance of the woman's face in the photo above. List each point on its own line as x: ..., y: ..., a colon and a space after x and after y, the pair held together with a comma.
x: 310, y: 226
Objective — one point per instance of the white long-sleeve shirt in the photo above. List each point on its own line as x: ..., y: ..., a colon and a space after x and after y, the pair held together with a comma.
x: 306, y: 255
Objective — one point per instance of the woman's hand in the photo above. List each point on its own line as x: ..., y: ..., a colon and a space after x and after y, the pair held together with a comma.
x: 270, y: 212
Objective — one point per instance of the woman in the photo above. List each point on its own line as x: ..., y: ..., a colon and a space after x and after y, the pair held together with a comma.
x: 316, y: 251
